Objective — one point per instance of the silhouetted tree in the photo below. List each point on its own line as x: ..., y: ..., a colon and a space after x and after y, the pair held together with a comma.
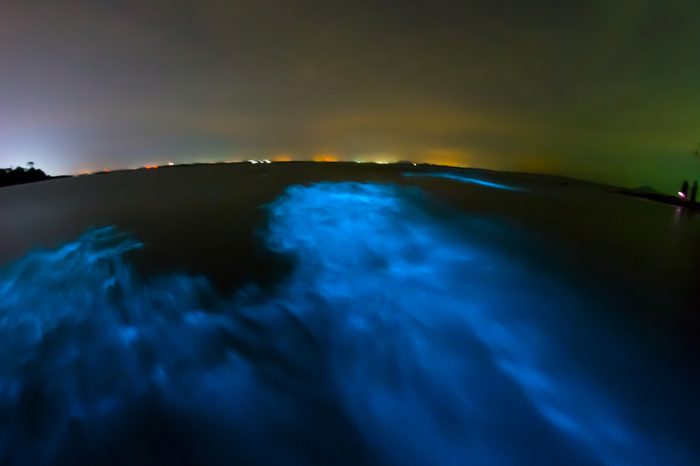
x: 18, y: 175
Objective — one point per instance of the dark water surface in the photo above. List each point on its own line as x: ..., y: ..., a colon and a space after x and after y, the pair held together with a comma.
x: 345, y: 314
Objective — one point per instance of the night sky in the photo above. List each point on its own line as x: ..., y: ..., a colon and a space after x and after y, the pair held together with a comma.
x: 601, y: 90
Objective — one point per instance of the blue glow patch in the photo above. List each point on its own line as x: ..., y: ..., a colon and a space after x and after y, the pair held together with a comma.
x: 396, y: 339
x: 466, y: 179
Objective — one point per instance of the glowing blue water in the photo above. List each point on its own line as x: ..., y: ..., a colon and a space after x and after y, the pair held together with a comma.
x: 465, y: 179
x: 397, y: 339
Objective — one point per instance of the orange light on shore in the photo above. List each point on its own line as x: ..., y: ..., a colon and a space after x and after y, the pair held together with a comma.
x: 447, y: 157
x: 150, y: 167
x: 325, y: 158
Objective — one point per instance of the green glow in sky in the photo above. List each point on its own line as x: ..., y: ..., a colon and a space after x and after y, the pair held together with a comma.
x: 602, y: 90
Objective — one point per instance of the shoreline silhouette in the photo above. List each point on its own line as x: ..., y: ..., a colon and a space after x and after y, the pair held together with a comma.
x: 21, y: 175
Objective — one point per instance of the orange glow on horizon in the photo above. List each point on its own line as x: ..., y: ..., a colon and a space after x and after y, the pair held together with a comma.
x: 325, y: 158
x: 447, y: 157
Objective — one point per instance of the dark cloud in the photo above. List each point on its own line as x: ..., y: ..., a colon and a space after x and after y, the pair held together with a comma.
x: 576, y: 87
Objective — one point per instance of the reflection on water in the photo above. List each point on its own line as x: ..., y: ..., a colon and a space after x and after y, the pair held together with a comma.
x: 395, y: 339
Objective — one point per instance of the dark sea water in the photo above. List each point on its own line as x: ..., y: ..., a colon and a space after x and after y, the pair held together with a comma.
x: 345, y: 314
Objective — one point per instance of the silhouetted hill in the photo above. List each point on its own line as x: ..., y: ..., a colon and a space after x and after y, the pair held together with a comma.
x: 19, y: 175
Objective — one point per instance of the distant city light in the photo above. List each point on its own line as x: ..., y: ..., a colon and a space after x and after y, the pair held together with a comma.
x: 325, y: 158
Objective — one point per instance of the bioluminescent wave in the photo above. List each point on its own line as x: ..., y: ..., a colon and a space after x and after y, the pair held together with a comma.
x: 396, y: 339
x: 466, y: 179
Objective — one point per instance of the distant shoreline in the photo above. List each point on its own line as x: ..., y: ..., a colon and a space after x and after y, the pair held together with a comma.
x: 659, y: 197
x: 640, y: 193
x: 25, y: 182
